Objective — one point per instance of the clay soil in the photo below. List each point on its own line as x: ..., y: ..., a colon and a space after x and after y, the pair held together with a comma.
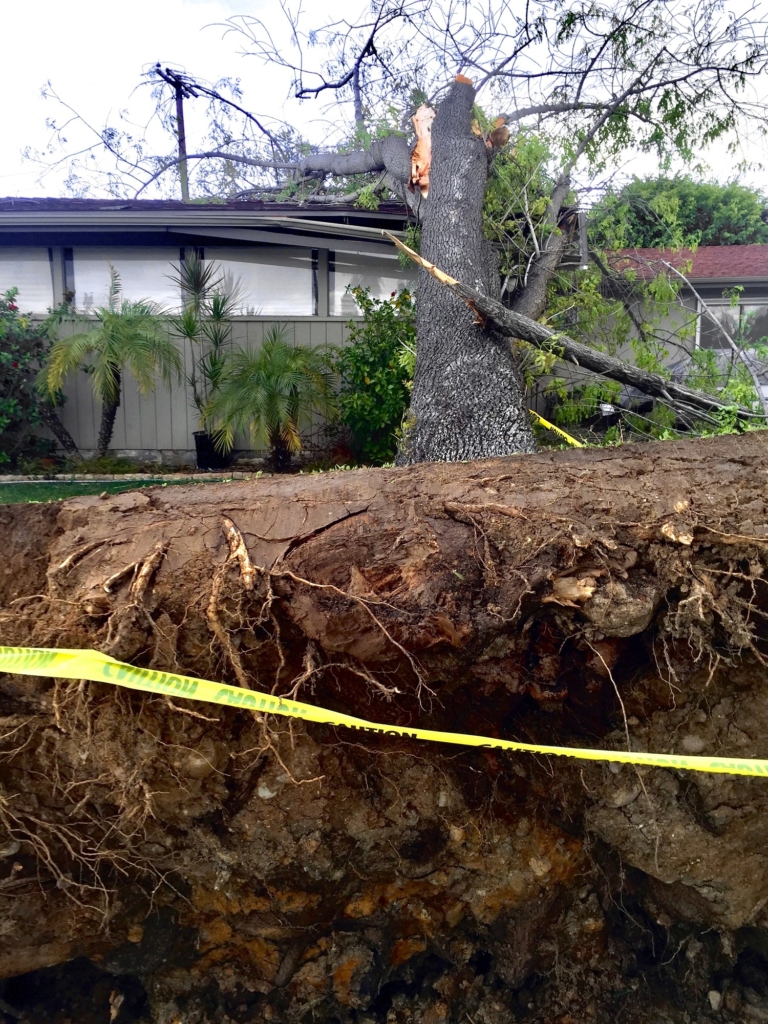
x: 180, y: 863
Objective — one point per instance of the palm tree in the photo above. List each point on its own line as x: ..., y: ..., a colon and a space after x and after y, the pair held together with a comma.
x: 211, y: 299
x: 128, y: 335
x: 271, y: 394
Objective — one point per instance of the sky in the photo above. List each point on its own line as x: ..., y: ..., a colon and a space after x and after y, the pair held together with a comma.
x: 93, y: 53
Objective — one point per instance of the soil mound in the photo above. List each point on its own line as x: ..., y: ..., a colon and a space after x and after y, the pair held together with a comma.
x: 168, y: 861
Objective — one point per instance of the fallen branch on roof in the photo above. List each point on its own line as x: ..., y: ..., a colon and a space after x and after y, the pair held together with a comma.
x: 514, y: 325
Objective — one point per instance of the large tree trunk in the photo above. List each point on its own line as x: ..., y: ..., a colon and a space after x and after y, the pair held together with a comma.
x: 221, y: 868
x: 467, y: 393
x: 108, y: 415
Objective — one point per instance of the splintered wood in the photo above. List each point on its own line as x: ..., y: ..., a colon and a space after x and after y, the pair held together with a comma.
x: 421, y: 158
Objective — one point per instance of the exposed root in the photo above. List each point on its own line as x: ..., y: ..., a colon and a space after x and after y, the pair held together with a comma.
x: 147, y: 570
x: 422, y: 686
x: 491, y: 506
x: 46, y: 837
x: 115, y: 578
x: 134, y: 617
x: 79, y: 553
x: 239, y: 551
x: 16, y: 725
x: 268, y: 746
x: 54, y: 572
x: 190, y: 712
x: 311, y: 669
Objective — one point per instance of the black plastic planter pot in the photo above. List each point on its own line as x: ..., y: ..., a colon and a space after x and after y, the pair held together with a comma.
x: 208, y: 457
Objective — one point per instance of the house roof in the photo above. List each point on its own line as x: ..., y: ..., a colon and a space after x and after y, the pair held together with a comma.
x: 258, y: 220
x: 731, y: 264
x: 28, y: 211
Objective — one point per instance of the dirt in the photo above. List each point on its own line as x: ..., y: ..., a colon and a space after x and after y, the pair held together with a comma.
x: 181, y: 863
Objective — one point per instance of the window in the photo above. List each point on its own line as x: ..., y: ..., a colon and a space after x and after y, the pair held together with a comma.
x: 747, y: 324
x: 381, y: 274
x: 145, y: 273
x: 29, y: 270
x: 270, y: 280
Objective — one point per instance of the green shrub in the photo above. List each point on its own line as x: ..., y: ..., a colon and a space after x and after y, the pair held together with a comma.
x: 23, y: 347
x: 376, y: 371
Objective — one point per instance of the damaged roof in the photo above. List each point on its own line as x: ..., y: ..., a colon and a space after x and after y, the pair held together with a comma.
x: 312, y: 224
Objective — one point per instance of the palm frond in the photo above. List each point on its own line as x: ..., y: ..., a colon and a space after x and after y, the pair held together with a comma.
x: 196, y: 279
x: 271, y: 393
x: 115, y: 287
x: 66, y: 356
x: 130, y: 336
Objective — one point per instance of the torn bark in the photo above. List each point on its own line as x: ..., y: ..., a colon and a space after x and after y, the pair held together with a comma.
x: 421, y: 158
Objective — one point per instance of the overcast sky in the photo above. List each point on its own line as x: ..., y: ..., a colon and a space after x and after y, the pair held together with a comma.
x: 93, y: 52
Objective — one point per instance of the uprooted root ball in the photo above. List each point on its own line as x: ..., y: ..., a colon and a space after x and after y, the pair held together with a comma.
x: 215, y: 865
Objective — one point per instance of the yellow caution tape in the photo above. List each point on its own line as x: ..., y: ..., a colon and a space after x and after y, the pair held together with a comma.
x: 100, y: 668
x: 557, y: 430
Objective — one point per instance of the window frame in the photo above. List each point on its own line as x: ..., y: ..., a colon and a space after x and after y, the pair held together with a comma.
x: 720, y: 303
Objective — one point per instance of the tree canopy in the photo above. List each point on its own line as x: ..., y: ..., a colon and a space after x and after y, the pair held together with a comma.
x: 661, y: 212
x: 597, y: 79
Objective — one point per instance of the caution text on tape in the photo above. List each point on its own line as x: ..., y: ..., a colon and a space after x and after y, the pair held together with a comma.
x: 97, y: 667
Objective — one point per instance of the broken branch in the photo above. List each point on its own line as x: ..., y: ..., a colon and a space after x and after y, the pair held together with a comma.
x: 515, y: 325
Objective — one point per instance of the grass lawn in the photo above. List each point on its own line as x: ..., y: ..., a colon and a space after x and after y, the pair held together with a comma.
x: 56, y: 490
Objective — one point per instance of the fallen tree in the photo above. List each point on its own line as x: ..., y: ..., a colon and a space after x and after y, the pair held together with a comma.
x: 569, y: 71
x: 511, y: 324
x: 164, y: 860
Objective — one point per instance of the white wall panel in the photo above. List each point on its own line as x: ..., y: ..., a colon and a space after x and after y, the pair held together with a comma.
x: 145, y: 273
x: 381, y: 274
x: 29, y: 270
x: 273, y: 281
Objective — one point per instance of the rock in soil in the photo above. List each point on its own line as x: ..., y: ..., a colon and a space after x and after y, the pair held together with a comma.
x: 167, y: 861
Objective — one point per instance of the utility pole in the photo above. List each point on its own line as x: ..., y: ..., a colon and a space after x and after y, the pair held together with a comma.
x: 182, y: 90
x: 183, y: 174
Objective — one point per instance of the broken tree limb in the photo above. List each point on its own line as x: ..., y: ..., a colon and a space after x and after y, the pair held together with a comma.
x: 515, y: 325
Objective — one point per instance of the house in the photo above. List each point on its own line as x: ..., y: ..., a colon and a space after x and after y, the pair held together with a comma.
x: 293, y: 263
x: 713, y: 271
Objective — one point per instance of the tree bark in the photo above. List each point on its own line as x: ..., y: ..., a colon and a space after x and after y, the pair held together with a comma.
x: 108, y: 414
x: 531, y: 300
x: 467, y: 398
x: 50, y: 418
